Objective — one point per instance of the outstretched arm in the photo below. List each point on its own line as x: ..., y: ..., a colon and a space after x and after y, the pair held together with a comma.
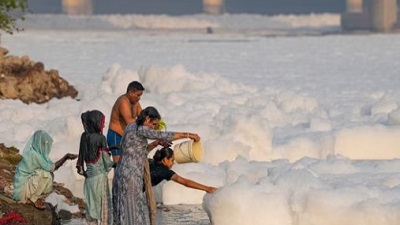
x: 63, y: 159
x: 180, y: 135
x: 192, y: 184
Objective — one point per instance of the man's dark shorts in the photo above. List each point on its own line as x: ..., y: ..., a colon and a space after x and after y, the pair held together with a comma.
x: 114, y: 139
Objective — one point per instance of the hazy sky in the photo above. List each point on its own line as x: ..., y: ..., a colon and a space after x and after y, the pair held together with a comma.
x: 177, y: 7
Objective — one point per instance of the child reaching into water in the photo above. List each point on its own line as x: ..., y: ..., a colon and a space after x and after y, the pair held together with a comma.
x: 160, y: 169
x: 93, y: 152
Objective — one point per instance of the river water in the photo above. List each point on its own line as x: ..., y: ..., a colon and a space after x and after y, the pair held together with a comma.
x: 170, y: 215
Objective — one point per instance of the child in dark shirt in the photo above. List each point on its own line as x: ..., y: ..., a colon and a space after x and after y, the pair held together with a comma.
x: 160, y: 169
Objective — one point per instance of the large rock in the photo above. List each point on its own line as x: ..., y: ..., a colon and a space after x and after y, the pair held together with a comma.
x: 28, y: 81
x: 28, y: 213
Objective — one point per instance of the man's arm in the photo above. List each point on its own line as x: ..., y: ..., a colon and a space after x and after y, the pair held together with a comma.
x: 125, y: 111
x: 136, y: 109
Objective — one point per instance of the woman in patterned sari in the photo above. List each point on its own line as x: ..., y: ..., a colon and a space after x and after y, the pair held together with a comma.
x: 129, y: 201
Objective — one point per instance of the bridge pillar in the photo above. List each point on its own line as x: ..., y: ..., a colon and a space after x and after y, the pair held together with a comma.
x: 214, y: 7
x: 77, y: 7
x: 354, y: 6
x: 383, y: 15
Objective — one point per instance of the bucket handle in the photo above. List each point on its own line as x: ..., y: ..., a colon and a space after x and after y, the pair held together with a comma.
x: 190, y: 154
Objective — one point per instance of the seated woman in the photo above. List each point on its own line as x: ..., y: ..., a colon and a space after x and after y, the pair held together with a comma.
x: 34, y: 173
x: 160, y: 169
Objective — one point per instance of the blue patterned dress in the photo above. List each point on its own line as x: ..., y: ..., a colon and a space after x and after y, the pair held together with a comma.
x: 129, y: 200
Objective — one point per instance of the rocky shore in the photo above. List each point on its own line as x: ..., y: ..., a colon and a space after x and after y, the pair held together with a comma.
x: 28, y: 81
x: 9, y: 158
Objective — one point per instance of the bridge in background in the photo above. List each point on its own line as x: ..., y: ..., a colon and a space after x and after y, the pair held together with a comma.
x: 371, y: 15
x: 85, y: 7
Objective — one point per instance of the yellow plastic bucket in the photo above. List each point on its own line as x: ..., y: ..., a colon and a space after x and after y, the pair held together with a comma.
x: 188, y: 151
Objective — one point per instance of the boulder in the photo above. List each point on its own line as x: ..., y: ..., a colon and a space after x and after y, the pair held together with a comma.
x: 26, y: 80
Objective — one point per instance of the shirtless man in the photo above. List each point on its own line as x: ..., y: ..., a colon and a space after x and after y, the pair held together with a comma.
x: 124, y: 112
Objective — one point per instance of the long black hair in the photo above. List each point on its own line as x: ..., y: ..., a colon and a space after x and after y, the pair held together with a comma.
x: 150, y: 112
x: 165, y: 152
x: 92, y: 138
x: 92, y: 121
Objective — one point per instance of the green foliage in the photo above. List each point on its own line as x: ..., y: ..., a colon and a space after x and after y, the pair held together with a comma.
x: 8, y: 15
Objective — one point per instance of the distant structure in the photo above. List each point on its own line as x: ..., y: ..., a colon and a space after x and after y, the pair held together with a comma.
x: 375, y: 15
x: 214, y: 7
x: 77, y: 7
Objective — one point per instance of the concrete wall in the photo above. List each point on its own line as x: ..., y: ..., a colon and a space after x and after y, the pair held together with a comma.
x: 383, y: 15
x: 374, y: 15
